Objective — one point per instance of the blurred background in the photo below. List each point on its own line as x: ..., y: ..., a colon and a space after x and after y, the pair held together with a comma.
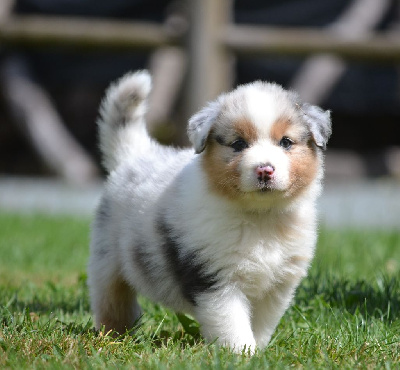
x: 58, y: 56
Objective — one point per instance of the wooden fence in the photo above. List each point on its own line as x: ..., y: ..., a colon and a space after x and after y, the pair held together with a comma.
x: 210, y: 42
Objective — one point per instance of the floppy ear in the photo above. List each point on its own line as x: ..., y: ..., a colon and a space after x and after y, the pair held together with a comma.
x: 319, y: 123
x: 200, y: 125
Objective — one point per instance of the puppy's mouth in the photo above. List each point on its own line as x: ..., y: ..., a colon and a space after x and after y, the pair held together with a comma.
x: 265, y: 186
x: 265, y: 190
x: 262, y: 187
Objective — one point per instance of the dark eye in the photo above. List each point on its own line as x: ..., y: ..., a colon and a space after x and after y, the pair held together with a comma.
x: 286, y: 143
x: 239, y: 145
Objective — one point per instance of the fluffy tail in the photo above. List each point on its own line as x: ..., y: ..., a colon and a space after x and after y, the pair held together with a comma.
x: 122, y: 127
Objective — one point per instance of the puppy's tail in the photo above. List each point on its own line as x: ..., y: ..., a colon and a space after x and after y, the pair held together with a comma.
x: 122, y: 127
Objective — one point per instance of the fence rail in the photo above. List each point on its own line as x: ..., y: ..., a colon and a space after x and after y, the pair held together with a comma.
x: 245, y: 40
x: 88, y: 34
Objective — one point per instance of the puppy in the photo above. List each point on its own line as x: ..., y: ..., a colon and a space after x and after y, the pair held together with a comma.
x: 224, y: 232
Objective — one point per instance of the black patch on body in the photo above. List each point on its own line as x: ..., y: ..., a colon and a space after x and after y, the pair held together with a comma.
x: 188, y: 270
x: 144, y: 261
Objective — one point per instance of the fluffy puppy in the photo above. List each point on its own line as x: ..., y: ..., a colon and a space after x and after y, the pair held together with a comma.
x: 224, y: 232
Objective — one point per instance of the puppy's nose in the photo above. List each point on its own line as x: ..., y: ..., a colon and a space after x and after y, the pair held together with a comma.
x: 265, y: 172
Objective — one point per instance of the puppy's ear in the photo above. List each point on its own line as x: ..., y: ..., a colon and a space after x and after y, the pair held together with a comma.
x: 200, y: 125
x: 319, y: 123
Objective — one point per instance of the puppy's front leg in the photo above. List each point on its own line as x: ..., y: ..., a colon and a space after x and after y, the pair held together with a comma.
x: 268, y: 311
x: 225, y: 315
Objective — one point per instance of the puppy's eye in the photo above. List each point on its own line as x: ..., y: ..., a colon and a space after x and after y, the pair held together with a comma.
x: 286, y: 143
x: 239, y: 145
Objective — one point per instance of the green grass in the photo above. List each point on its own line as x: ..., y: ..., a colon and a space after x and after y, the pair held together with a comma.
x: 346, y: 313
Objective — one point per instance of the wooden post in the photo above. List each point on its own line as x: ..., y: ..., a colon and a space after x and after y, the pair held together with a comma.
x: 41, y: 124
x: 210, y: 63
x: 5, y: 9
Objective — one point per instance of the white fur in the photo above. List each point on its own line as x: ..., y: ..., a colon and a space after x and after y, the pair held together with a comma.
x: 121, y: 106
x: 158, y: 199
x: 256, y: 98
x: 265, y: 152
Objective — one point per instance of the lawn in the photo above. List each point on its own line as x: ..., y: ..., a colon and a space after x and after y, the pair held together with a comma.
x: 346, y: 313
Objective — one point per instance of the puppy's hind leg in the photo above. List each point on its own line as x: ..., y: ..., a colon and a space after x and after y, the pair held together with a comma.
x: 113, y: 301
x: 118, y: 309
x: 114, y: 305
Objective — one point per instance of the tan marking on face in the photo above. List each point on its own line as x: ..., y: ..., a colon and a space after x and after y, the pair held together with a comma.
x: 280, y: 129
x: 302, y: 155
x: 303, y: 167
x: 221, y: 163
x: 222, y: 169
x: 246, y: 130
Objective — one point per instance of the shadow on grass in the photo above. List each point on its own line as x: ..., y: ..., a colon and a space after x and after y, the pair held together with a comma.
x: 48, y: 298
x: 43, y: 309
x: 380, y: 299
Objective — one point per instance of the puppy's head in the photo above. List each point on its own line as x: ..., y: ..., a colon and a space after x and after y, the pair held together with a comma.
x: 260, y: 143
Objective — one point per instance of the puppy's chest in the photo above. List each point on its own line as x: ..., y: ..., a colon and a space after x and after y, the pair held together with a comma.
x: 264, y: 265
